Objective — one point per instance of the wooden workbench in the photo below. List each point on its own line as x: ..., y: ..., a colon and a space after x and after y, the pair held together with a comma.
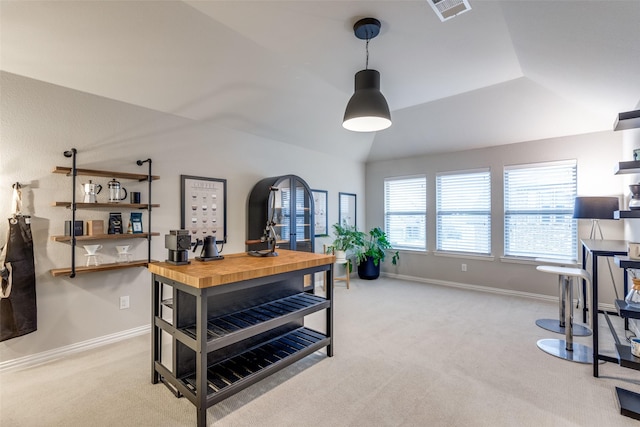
x: 223, y: 325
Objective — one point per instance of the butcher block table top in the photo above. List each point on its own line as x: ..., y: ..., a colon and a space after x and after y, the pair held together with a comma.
x: 238, y: 267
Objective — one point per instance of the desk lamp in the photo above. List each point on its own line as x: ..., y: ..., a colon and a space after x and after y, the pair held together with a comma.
x: 595, y: 209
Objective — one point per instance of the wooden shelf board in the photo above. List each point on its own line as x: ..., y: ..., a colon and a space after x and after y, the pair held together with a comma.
x: 240, y: 267
x: 104, y: 237
x: 106, y: 174
x: 104, y: 205
x: 103, y: 267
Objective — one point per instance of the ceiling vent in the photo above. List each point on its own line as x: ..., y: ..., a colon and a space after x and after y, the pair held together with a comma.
x: 447, y: 9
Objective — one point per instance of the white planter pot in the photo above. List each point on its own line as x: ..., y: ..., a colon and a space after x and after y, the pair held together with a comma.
x: 340, y: 256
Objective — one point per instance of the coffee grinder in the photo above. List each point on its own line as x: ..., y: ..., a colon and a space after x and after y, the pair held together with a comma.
x: 178, y: 242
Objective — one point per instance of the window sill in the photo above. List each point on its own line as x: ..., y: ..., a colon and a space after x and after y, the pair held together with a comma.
x: 465, y: 255
x: 519, y: 260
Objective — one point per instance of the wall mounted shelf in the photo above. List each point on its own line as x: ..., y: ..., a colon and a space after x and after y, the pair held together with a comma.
x: 626, y: 214
x: 104, y: 174
x: 56, y: 272
x: 632, y: 166
x: 67, y: 239
x: 103, y: 205
x: 72, y: 205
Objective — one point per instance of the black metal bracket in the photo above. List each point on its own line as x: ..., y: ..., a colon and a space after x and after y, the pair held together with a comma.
x: 74, y: 173
x: 149, y: 179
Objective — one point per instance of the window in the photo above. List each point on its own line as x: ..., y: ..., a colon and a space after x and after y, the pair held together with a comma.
x: 538, y: 210
x: 405, y: 212
x: 463, y: 212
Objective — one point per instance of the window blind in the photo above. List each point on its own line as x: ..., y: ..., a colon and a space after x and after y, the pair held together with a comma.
x: 405, y: 212
x: 463, y: 212
x: 538, y: 203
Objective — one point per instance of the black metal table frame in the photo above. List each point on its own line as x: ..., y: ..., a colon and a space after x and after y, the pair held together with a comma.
x: 201, y: 400
x: 599, y: 248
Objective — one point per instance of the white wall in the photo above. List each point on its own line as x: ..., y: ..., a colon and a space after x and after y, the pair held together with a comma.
x: 597, y: 154
x: 40, y: 121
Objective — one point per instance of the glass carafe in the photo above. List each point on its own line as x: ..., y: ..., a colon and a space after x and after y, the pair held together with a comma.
x: 633, y: 296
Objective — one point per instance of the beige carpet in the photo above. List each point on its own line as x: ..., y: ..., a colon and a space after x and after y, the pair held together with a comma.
x: 406, y: 354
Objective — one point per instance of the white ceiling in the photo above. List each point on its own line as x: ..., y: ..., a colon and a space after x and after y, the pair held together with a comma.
x: 504, y: 72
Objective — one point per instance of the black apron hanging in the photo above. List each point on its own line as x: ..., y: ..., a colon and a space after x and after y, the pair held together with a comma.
x: 18, y: 312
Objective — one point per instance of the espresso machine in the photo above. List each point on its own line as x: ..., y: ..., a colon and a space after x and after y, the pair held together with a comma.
x: 178, y: 242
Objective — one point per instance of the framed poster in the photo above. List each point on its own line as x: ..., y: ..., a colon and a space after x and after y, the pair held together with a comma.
x: 347, y: 209
x: 204, y: 207
x: 320, y: 213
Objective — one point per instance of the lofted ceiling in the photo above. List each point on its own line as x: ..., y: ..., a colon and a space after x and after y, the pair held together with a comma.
x: 503, y: 72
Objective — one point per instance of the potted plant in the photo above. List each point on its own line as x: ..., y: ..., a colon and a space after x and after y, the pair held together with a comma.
x: 346, y: 237
x: 370, y: 251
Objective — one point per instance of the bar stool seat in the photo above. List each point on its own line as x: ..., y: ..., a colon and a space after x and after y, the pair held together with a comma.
x: 558, y: 325
x: 567, y: 349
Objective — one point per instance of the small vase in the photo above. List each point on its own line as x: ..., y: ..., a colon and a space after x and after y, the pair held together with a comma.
x: 341, y: 256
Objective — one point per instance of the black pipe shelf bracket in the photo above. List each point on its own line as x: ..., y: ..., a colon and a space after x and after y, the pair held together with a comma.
x: 149, y: 207
x: 74, y: 173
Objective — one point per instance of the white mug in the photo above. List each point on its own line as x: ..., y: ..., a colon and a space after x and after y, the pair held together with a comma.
x: 634, y: 250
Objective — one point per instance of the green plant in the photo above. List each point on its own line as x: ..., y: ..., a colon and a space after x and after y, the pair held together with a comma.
x: 346, y: 237
x: 375, y: 245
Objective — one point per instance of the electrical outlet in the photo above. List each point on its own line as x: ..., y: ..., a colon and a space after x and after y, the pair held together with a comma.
x: 124, y: 302
x: 464, y: 267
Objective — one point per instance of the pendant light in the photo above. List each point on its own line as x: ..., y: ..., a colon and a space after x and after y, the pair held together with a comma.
x: 367, y: 110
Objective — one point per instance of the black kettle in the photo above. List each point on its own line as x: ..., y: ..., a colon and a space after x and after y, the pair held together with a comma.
x: 209, y: 249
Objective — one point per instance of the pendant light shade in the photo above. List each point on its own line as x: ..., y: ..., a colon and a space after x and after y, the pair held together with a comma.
x: 367, y: 110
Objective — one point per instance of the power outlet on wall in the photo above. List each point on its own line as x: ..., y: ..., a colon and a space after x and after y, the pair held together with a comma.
x: 124, y: 302
x: 463, y: 267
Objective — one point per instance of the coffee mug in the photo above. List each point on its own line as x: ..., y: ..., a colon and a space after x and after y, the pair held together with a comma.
x: 633, y: 250
x: 635, y: 347
x: 135, y: 197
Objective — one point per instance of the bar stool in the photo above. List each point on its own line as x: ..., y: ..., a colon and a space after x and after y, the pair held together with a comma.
x: 558, y: 325
x: 566, y: 348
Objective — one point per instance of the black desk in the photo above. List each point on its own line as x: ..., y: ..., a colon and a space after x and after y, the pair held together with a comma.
x: 598, y: 248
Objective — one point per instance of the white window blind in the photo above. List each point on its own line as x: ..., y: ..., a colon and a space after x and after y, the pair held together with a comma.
x: 405, y: 212
x: 463, y: 212
x: 538, y: 203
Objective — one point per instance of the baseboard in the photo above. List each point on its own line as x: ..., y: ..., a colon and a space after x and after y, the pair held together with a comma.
x: 57, y: 353
x: 509, y: 292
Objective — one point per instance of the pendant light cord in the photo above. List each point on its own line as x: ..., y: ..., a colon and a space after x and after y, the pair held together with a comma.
x: 366, y: 66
